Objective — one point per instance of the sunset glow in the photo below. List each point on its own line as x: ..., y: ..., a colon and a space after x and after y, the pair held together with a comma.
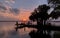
x: 24, y: 19
x: 17, y: 11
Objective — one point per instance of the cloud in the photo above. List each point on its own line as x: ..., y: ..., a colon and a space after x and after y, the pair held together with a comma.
x: 15, y: 10
x: 10, y: 1
x: 2, y: 8
x: 8, y: 16
x: 13, y: 1
x: 9, y: 13
x: 5, y: 8
x: 1, y: 3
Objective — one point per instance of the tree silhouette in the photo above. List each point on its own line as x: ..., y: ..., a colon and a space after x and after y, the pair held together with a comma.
x: 55, y: 13
x: 54, y: 1
x: 40, y: 15
x: 33, y: 16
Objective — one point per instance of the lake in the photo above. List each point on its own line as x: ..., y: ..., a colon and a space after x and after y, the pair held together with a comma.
x: 7, y: 30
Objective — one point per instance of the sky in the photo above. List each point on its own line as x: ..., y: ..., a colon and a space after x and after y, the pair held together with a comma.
x: 18, y: 9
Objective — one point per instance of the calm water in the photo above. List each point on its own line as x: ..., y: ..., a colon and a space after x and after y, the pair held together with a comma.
x: 7, y: 30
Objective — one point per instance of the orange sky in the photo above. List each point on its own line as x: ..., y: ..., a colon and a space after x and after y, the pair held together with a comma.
x: 24, y: 14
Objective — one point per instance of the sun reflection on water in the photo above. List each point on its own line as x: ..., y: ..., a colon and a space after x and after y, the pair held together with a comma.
x: 7, y: 30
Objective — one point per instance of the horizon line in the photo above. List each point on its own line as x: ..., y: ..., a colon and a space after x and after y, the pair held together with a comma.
x: 12, y: 21
x: 23, y: 21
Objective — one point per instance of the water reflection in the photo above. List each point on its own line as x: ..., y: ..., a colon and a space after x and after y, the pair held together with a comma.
x: 7, y: 30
